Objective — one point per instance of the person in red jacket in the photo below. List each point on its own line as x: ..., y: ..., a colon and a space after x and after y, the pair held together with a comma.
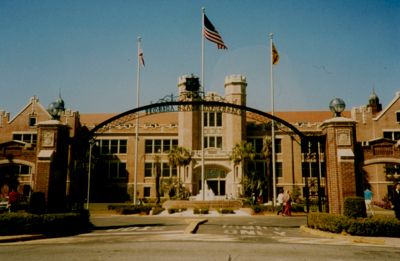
x: 13, y: 199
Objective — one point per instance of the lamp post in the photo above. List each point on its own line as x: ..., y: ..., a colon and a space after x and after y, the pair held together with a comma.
x: 91, y: 144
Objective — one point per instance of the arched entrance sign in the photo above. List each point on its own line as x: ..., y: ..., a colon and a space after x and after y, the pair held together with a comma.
x: 176, y: 106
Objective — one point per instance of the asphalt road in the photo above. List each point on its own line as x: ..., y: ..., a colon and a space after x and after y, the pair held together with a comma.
x: 220, y: 238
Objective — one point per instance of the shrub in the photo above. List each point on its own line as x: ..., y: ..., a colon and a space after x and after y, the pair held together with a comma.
x: 157, y: 210
x: 127, y: 210
x: 49, y: 224
x: 176, y: 210
x: 375, y: 226
x: 226, y: 211
x: 354, y: 207
x: 327, y: 222
x: 200, y: 211
x: 298, y: 208
x: 371, y: 226
x: 37, y: 203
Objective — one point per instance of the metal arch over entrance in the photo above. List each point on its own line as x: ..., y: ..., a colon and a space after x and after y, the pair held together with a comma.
x: 176, y: 106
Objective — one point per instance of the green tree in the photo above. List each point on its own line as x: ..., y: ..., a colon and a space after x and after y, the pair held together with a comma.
x: 177, y: 157
x: 244, y: 154
x: 157, y: 167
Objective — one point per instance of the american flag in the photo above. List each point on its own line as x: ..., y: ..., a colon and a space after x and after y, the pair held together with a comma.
x: 211, y: 34
x: 141, y: 58
x: 275, y: 55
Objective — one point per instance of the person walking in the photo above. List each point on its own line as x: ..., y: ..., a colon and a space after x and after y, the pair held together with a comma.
x: 287, y: 202
x: 396, y: 200
x: 368, y: 200
x: 279, y: 200
x: 13, y: 199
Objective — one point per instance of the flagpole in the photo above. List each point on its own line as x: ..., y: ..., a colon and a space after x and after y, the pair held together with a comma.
x: 272, y: 122
x: 202, y: 109
x: 139, y: 39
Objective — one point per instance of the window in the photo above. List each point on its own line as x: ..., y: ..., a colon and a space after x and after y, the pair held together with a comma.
x: 278, y: 146
x: 26, y: 137
x: 398, y: 116
x: 148, y: 169
x: 213, y: 142
x: 159, y: 145
x: 279, y: 169
x: 174, y: 143
x: 166, y: 146
x: 105, y: 146
x: 213, y: 119
x: 32, y: 121
x: 306, y: 169
x: 17, y: 169
x: 258, y: 145
x: 123, y: 146
x: 148, y: 146
x: 219, y: 119
x: 206, y: 119
x: 260, y: 168
x: 165, y: 170
x: 116, y: 169
x: 392, y: 135
x: 146, y: 192
x: 113, y: 146
x: 219, y: 142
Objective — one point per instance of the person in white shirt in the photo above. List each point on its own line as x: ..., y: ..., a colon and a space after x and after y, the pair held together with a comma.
x: 279, y: 200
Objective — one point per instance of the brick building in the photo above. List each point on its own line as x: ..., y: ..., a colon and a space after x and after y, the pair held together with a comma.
x: 35, y: 151
x: 355, y: 151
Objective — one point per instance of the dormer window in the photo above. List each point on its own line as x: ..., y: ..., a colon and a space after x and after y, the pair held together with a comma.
x: 398, y: 116
x: 32, y: 121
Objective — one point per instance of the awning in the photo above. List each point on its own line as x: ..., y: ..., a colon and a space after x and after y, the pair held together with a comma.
x: 45, y: 154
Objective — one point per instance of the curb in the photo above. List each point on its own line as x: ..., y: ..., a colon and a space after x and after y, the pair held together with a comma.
x: 194, y: 225
x: 17, y: 238
x: 354, y: 239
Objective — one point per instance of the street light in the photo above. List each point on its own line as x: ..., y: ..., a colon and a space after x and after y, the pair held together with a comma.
x: 91, y: 144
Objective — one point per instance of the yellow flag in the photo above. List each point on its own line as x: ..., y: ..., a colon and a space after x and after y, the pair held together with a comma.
x: 275, y: 55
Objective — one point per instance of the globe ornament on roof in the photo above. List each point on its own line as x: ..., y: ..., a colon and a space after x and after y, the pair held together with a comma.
x: 56, y: 108
x: 337, y: 106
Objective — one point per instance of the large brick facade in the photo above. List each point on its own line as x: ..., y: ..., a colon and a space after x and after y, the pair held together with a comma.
x: 46, y: 150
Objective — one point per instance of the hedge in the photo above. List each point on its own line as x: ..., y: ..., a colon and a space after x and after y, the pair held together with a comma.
x: 354, y: 207
x: 376, y: 226
x: 226, y: 211
x: 200, y: 211
x: 48, y: 224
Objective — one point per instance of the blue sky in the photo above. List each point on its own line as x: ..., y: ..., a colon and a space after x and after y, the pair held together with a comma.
x: 87, y: 49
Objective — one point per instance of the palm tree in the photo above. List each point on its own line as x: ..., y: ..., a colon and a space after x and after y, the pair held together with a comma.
x: 158, y: 175
x: 267, y: 154
x: 244, y: 153
x: 178, y: 157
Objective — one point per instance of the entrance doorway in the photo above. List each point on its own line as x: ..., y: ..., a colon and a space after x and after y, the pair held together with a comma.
x: 217, y: 186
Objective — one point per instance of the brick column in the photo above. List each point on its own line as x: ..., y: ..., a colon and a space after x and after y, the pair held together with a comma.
x: 340, y: 165
x: 52, y: 162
